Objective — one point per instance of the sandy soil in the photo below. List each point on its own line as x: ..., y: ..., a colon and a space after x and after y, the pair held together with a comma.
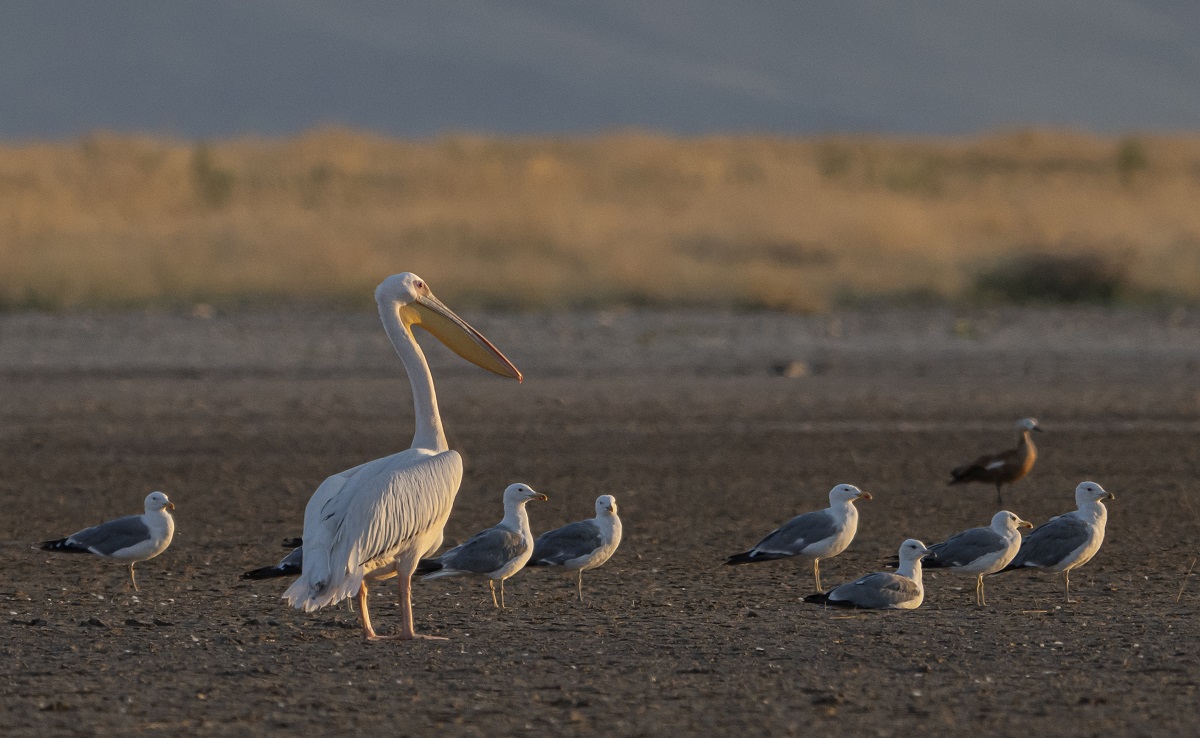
x: 685, y: 418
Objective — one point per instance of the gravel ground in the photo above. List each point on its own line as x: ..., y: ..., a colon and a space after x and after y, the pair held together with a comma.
x: 709, y: 429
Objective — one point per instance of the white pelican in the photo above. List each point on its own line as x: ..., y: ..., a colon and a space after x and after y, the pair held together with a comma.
x: 1005, y: 467
x: 1067, y: 541
x: 582, y: 545
x: 132, y: 538
x: 980, y: 551
x: 821, y: 534
x: 496, y: 553
x: 378, y: 519
x: 883, y: 590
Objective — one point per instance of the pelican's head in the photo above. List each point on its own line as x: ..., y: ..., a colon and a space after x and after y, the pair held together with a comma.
x: 156, y: 501
x: 1028, y: 424
x: 847, y: 493
x: 409, y: 297
x: 606, y: 505
x: 1091, y: 492
x: 519, y: 494
x: 913, y: 550
x: 1004, y: 522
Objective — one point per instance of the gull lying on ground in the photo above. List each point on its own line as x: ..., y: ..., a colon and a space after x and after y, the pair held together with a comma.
x: 496, y: 553
x: 817, y: 535
x: 980, y: 551
x: 132, y: 538
x: 1005, y: 467
x: 883, y: 590
x: 1068, y: 541
x: 582, y: 545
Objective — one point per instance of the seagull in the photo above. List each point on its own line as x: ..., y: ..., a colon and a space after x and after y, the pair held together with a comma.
x: 980, y: 551
x: 377, y: 520
x: 290, y: 566
x: 582, y: 545
x: 1068, y: 541
x: 496, y: 553
x: 132, y: 538
x: 1005, y: 467
x: 817, y: 535
x: 883, y: 590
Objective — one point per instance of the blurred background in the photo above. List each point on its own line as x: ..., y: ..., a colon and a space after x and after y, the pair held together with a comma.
x: 549, y: 155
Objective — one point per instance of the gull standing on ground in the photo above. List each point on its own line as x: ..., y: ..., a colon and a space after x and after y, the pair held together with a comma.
x: 496, y: 553
x: 132, y: 538
x: 378, y: 519
x: 980, y: 551
x: 817, y: 535
x: 1005, y: 467
x: 883, y: 590
x: 1068, y: 541
x: 582, y: 545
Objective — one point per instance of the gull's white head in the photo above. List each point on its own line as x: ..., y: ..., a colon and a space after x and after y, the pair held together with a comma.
x: 1028, y: 424
x: 606, y: 505
x: 156, y: 501
x: 408, y: 298
x: 1006, y: 522
x: 847, y: 493
x: 519, y: 494
x: 1091, y: 492
x: 913, y: 550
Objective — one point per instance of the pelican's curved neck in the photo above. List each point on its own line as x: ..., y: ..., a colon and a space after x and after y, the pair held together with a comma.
x: 429, y: 433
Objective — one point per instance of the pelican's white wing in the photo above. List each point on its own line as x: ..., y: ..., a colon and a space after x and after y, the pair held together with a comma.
x: 365, y: 515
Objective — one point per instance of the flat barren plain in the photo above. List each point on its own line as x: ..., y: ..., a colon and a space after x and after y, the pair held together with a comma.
x: 710, y: 429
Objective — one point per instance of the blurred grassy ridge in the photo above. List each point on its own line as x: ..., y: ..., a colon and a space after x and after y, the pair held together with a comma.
x: 621, y: 219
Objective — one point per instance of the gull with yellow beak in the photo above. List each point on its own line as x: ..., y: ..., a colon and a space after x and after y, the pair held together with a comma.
x: 378, y: 519
x: 817, y: 535
x: 1067, y: 541
x: 132, y: 538
x: 496, y: 553
x: 980, y: 551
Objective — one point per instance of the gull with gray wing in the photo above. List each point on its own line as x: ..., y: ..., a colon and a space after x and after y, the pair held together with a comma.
x: 582, y: 545
x: 132, y: 538
x: 496, y: 553
x: 883, y: 590
x: 980, y: 551
x: 821, y: 534
x: 1068, y: 541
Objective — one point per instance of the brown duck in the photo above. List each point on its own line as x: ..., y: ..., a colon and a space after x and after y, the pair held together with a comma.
x: 1005, y: 467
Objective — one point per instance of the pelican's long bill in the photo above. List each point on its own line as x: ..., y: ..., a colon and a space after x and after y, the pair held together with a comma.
x: 461, y: 338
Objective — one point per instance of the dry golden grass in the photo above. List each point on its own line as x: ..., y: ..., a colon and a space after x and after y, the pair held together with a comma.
x: 626, y: 218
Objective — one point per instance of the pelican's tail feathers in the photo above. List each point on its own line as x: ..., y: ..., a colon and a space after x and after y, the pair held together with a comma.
x: 311, y: 592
